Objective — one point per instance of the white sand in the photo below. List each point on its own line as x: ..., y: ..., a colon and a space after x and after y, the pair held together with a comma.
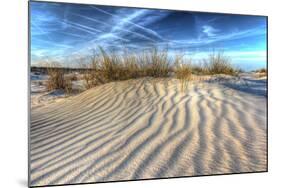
x: 149, y: 128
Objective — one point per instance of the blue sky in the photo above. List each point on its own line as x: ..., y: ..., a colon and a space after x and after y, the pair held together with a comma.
x: 67, y: 32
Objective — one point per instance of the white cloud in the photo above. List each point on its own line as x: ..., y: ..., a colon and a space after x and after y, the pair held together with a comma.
x: 209, y: 30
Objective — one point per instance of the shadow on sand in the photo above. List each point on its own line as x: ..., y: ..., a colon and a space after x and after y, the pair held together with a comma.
x: 250, y: 86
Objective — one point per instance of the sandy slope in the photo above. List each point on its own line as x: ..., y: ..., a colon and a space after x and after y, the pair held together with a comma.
x: 149, y: 128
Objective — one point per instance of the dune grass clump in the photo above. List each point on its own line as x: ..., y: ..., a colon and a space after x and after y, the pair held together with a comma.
x: 68, y: 89
x: 131, y: 67
x: 110, y: 66
x: 91, y: 74
x: 158, y: 63
x: 261, y: 72
x: 183, y: 72
x: 217, y: 63
x: 57, y: 80
x: 89, y: 79
x: 115, y: 67
x: 200, y: 68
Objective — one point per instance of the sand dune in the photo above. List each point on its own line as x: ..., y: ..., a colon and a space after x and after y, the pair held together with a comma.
x: 149, y: 128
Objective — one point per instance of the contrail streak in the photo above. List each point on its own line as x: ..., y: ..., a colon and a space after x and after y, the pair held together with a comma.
x: 79, y: 28
x: 134, y: 24
x: 121, y: 29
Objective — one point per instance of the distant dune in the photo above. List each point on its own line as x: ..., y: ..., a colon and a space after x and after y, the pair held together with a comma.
x: 150, y: 128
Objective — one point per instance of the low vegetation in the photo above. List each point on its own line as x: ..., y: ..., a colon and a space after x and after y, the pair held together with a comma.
x: 115, y: 67
x: 183, y: 71
x: 220, y: 64
x: 261, y: 72
x: 57, y: 79
x: 106, y: 67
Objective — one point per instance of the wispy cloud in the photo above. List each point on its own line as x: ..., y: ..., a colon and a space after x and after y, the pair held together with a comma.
x: 209, y: 30
x: 237, y: 35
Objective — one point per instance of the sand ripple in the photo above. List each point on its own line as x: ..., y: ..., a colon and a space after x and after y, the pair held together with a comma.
x: 147, y: 128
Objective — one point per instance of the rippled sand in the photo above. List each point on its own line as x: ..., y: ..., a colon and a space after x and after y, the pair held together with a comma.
x: 149, y: 128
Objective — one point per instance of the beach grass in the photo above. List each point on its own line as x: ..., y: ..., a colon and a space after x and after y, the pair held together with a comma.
x: 106, y: 67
